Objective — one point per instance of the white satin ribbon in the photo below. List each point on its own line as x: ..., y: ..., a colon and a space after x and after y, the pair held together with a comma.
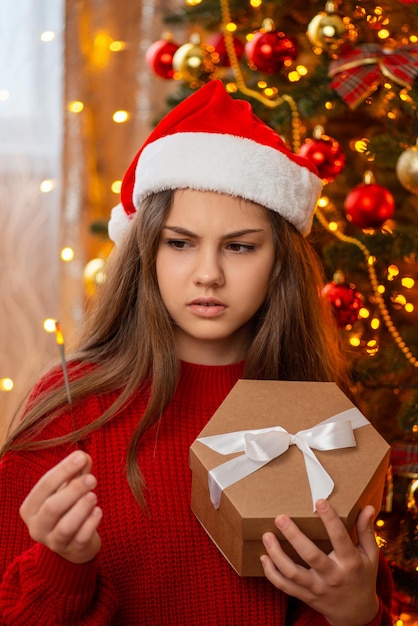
x: 265, y: 444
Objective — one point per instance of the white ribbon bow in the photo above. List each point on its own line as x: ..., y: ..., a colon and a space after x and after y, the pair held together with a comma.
x: 265, y: 444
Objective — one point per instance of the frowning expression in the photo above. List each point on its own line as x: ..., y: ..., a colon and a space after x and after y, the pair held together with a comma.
x: 214, y: 262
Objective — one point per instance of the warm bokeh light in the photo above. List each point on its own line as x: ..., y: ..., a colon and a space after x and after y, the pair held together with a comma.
x: 302, y: 70
x: 392, y: 272
x: 361, y: 145
x: 47, y: 36
x: 375, y: 323
x: 407, y: 282
x: 76, y: 106
x: 120, y: 116
x: 117, y: 45
x: 67, y: 254
x: 6, y: 384
x: 116, y: 186
x: 46, y: 186
x: 293, y: 76
x: 49, y: 325
x: 399, y: 298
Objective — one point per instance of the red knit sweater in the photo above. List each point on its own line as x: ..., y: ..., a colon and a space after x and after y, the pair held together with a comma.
x: 155, y: 569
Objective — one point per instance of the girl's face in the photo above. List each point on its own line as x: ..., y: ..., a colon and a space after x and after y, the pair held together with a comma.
x: 214, y: 262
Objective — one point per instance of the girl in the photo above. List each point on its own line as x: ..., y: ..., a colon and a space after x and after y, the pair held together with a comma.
x: 212, y: 280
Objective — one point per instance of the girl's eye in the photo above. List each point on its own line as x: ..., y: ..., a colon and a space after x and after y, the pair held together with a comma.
x: 177, y: 244
x: 241, y: 248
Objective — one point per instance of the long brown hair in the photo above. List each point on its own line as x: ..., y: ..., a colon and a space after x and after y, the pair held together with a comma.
x: 127, y: 338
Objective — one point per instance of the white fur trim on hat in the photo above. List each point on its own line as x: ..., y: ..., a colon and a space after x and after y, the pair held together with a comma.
x: 118, y: 224
x: 232, y: 165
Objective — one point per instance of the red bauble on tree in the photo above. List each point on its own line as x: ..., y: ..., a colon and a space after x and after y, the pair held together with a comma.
x: 159, y: 57
x: 344, y: 299
x: 369, y: 205
x: 218, y: 43
x: 270, y: 49
x: 325, y: 153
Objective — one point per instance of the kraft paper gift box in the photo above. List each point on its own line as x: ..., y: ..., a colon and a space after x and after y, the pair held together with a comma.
x: 351, y: 474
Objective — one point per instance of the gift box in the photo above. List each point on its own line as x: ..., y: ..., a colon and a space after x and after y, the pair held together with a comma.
x: 302, y: 441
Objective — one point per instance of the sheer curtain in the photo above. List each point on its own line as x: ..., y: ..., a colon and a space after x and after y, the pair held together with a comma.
x: 58, y: 163
x: 31, y: 55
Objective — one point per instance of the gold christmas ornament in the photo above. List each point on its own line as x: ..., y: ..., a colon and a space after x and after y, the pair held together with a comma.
x: 407, y: 169
x: 195, y: 61
x: 93, y: 275
x: 328, y: 30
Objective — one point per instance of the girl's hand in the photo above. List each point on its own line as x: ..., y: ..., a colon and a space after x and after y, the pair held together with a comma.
x: 60, y: 511
x: 341, y: 585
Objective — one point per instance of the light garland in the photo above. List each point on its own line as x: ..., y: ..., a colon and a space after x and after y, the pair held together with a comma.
x: 268, y: 102
x: 375, y: 288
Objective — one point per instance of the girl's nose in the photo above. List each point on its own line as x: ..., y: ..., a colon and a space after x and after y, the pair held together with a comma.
x: 208, y: 270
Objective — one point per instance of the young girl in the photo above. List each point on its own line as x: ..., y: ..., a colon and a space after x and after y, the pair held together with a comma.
x: 211, y: 280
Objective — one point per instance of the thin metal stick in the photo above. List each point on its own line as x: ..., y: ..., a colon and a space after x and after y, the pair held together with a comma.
x: 60, y: 343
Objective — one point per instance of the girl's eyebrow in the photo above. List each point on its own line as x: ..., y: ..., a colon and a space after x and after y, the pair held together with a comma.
x: 237, y: 233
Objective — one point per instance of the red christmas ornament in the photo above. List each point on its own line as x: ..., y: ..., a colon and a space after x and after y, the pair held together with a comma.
x: 369, y: 205
x: 326, y: 154
x: 269, y: 51
x: 218, y: 43
x: 159, y: 57
x: 345, y: 301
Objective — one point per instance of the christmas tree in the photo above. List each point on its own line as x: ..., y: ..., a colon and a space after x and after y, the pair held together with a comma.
x: 338, y: 82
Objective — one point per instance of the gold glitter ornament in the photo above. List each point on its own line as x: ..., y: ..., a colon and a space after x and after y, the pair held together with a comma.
x: 195, y: 61
x: 407, y: 169
x: 328, y: 30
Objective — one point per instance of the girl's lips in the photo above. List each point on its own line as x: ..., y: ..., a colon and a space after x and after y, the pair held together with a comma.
x: 206, y: 307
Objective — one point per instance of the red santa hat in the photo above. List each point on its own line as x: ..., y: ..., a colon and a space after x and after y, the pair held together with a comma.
x: 213, y: 142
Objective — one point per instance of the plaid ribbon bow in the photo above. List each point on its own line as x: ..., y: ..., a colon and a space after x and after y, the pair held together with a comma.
x: 359, y: 72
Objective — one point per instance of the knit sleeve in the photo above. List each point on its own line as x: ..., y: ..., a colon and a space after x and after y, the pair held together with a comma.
x: 38, y: 586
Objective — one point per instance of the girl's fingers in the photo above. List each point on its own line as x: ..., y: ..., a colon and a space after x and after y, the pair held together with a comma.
x: 366, y: 536
x: 340, y: 539
x: 76, y: 463
x: 307, y: 550
x: 279, y: 580
x: 58, y: 505
x: 69, y: 525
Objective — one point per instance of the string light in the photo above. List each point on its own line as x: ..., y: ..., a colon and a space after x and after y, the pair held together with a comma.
x: 67, y: 254
x: 117, y: 46
x: 6, y: 384
x: 268, y: 102
x: 376, y: 289
x: 47, y: 36
x: 49, y: 325
x: 76, y: 106
x: 46, y: 186
x: 116, y: 186
x: 120, y: 117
